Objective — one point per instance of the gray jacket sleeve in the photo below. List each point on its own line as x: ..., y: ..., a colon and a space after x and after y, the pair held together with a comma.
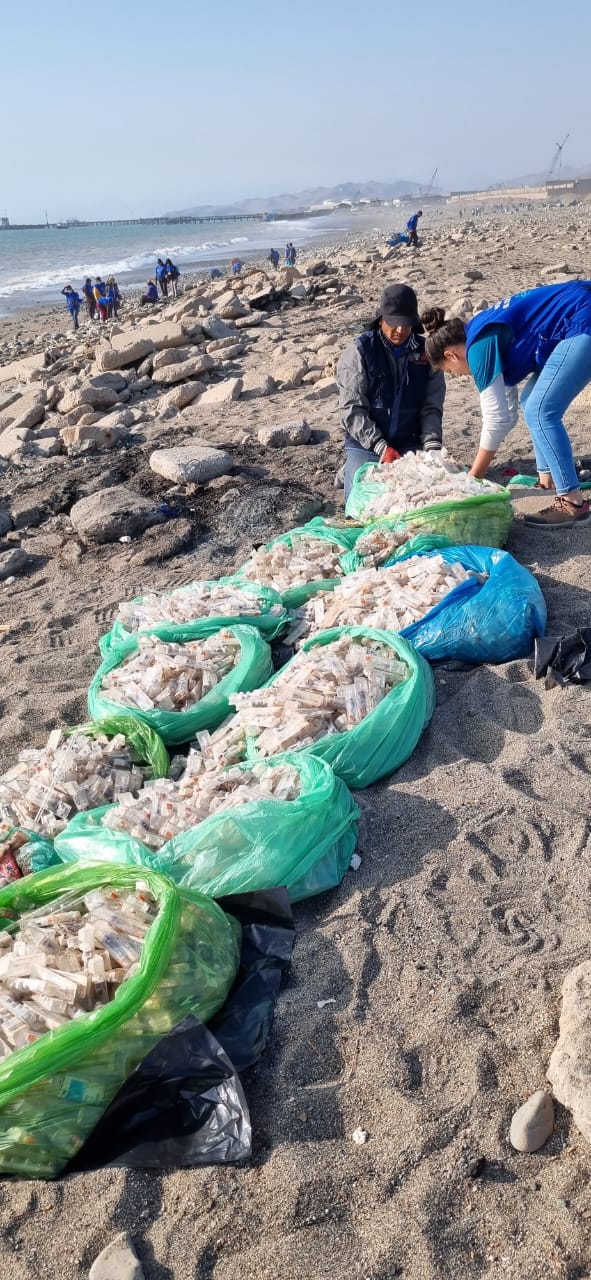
x: 353, y: 401
x: 432, y: 411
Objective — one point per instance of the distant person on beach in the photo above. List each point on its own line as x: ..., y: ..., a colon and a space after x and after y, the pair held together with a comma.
x: 101, y: 299
x: 74, y: 302
x: 290, y: 254
x: 215, y: 273
x: 90, y: 298
x: 273, y: 257
x: 544, y: 333
x: 113, y: 296
x: 391, y: 400
x: 236, y: 266
x: 161, y: 277
x: 150, y: 296
x: 412, y: 228
x: 172, y: 275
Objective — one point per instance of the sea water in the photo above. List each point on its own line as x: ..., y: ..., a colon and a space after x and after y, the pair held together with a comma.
x: 35, y: 265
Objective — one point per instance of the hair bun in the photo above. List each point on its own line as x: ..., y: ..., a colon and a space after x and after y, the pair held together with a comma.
x: 433, y: 319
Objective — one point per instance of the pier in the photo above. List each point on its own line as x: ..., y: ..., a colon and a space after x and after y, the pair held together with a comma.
x: 5, y: 225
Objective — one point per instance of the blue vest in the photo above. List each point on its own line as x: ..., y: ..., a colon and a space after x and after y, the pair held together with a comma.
x: 395, y: 403
x: 539, y: 319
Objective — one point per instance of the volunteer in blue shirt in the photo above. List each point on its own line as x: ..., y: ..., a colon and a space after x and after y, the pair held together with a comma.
x: 74, y: 302
x: 161, y: 277
x: 544, y: 335
x: 412, y: 227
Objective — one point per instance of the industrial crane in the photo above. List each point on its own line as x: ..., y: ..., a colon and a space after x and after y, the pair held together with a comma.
x: 428, y: 190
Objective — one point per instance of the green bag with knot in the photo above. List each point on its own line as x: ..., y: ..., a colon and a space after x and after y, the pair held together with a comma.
x: 482, y: 520
x: 53, y: 1092
x: 147, y: 744
x: 305, y: 844
x: 270, y: 616
x: 341, y: 539
x: 411, y: 546
x: 385, y: 738
x: 252, y: 670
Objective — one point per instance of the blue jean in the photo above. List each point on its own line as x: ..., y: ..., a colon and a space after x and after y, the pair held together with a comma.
x: 354, y: 459
x: 545, y: 399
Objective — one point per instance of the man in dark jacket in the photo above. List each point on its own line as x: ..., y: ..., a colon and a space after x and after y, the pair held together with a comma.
x: 391, y: 400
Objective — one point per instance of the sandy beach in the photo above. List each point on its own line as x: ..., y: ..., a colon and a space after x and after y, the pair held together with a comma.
x: 446, y: 951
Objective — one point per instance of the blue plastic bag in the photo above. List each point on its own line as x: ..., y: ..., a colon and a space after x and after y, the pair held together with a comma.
x: 492, y: 621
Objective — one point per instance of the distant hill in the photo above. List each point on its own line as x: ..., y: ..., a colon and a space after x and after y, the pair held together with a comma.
x: 303, y: 199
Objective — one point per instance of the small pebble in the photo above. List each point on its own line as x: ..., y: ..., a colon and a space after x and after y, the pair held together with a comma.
x: 532, y: 1123
x: 359, y: 1136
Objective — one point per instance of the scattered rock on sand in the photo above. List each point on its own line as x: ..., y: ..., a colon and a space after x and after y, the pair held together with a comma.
x: 230, y: 307
x: 20, y: 369
x: 214, y: 327
x: 532, y: 1123
x: 113, y: 513
x: 190, y: 464
x: 92, y: 438
x: 287, y: 433
x: 569, y: 1071
x: 125, y: 349
x: 221, y: 393
x: 5, y: 519
x: 12, y: 561
x: 192, y: 367
x: 257, y: 384
x: 289, y: 371
x: 118, y: 1261
x: 556, y: 268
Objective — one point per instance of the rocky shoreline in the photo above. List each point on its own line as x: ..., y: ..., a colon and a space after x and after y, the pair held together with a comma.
x: 439, y: 963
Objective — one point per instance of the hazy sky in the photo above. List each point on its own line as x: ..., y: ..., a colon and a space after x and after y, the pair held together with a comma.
x: 121, y: 107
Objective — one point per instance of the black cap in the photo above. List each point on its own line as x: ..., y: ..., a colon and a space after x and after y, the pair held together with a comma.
x: 398, y: 305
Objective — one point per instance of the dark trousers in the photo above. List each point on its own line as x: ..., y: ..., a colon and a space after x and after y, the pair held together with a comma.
x: 163, y: 288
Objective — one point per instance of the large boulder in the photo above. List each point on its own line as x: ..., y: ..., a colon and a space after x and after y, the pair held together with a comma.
x: 13, y: 442
x: 125, y: 349
x: 165, y: 334
x: 221, y: 393
x: 22, y: 369
x: 179, y: 371
x: 97, y: 397
x: 12, y: 561
x: 92, y: 438
x: 251, y: 321
x: 190, y: 464
x: 285, y: 434
x: 569, y: 1071
x: 28, y: 417
x: 289, y: 371
x: 215, y: 327
x: 257, y: 383
x: 113, y: 513
x: 116, y: 381
x: 180, y: 396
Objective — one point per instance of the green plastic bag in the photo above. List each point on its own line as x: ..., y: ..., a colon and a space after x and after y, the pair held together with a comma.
x: 36, y: 855
x: 252, y: 670
x: 147, y: 744
x: 271, y: 620
x: 53, y: 1092
x: 305, y: 844
x: 387, y: 736
x: 344, y: 539
x: 483, y: 520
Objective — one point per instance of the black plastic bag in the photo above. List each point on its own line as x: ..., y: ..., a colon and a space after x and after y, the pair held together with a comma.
x: 564, y: 659
x: 184, y: 1104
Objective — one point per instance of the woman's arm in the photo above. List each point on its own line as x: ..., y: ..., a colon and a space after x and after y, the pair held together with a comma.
x: 499, y: 405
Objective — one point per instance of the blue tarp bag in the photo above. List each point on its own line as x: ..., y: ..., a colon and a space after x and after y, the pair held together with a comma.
x: 492, y: 621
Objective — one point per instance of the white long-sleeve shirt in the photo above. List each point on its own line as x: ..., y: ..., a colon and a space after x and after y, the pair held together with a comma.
x: 499, y: 406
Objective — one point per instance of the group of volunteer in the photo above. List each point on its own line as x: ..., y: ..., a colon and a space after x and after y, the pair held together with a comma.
x: 392, y: 387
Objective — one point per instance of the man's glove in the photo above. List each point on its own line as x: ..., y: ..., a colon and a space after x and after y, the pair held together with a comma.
x: 390, y: 454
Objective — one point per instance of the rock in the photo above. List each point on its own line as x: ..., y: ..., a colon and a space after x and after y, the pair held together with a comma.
x: 322, y: 389
x: 252, y: 321
x: 261, y: 298
x: 473, y: 274
x: 232, y: 353
x: 532, y: 1123
x: 6, y: 400
x: 116, y: 381
x: 257, y: 384
x: 5, y: 519
x: 461, y: 308
x: 569, y: 1071
x: 221, y: 344
x: 230, y: 306
x: 21, y: 369
x: 298, y: 291
x: 12, y: 562
x: 164, y: 335
x: 318, y: 268
x: 180, y: 396
x: 118, y: 1261
x: 215, y: 327
x: 89, y: 419
x: 29, y: 418
x: 287, y: 433
x: 109, y: 514
x: 92, y: 439
x: 557, y: 268
x: 45, y: 444
x: 96, y: 397
x: 125, y: 349
x: 191, y: 368
x: 221, y: 393
x: 141, y: 384
x: 190, y: 464
x: 170, y: 355
x: 13, y: 442
x: 289, y: 372
x: 145, y: 367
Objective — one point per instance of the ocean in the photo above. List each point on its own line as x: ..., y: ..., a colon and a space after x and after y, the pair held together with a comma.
x: 35, y: 265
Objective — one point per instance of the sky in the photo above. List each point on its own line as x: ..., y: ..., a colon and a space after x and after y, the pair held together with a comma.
x: 121, y: 108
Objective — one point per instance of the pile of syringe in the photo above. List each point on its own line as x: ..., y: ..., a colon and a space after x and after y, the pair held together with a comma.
x: 326, y: 689
x: 68, y: 958
x: 165, y: 676
x: 166, y: 808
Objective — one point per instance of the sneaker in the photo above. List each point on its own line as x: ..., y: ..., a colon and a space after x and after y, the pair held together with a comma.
x: 561, y: 515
